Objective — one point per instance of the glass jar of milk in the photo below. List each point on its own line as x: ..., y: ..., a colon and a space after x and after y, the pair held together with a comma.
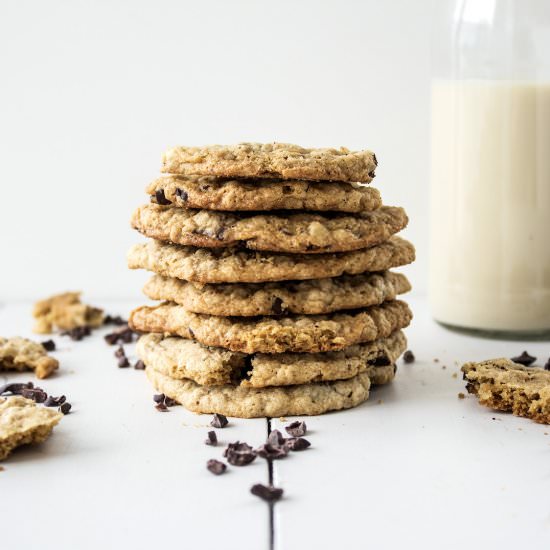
x: 490, y: 223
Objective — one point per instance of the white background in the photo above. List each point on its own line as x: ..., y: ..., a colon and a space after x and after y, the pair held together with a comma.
x: 92, y: 92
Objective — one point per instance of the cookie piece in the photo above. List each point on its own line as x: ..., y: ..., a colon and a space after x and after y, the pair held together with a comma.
x: 241, y: 402
x: 271, y: 160
x: 180, y: 358
x: 228, y: 265
x: 504, y: 385
x: 65, y: 311
x: 20, y: 354
x: 305, y: 233
x: 214, y: 193
x: 300, y: 333
x: 311, y: 297
x: 23, y: 422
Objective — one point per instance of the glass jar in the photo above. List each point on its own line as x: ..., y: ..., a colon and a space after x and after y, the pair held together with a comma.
x: 490, y: 207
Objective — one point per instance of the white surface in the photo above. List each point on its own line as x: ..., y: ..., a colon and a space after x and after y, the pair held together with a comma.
x: 422, y: 469
x: 93, y: 92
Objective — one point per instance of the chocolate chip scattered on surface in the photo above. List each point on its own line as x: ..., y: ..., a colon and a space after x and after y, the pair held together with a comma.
x: 219, y: 421
x: 297, y: 444
x: 139, y: 365
x: 216, y: 467
x: 239, y: 454
x: 267, y: 493
x: 524, y: 359
x: 48, y: 345
x: 211, y: 439
x: 296, y: 429
x: 408, y: 357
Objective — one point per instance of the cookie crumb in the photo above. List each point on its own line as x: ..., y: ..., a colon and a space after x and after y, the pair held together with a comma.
x: 380, y: 402
x: 443, y: 367
x: 454, y: 375
x: 461, y: 395
x: 436, y: 360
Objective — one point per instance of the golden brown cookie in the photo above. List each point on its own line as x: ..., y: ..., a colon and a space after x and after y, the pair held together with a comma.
x: 271, y: 160
x: 20, y: 354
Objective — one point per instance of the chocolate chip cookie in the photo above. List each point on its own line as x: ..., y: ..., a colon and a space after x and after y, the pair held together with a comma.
x: 21, y: 354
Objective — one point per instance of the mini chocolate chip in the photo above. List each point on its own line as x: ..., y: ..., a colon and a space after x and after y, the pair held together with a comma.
x: 161, y: 198
x: 272, y: 451
x: 65, y: 408
x: 524, y: 359
x: 547, y: 365
x: 140, y: 365
x: 216, y: 467
x: 239, y: 454
x: 15, y: 388
x: 212, y: 439
x: 120, y: 352
x: 114, y: 320
x: 38, y: 395
x: 181, y: 194
x: 169, y: 402
x: 161, y: 407
x: 297, y: 443
x: 159, y: 398
x: 381, y: 361
x: 54, y: 401
x: 49, y: 345
x: 125, y: 335
x: 296, y: 429
x: 408, y: 357
x: 123, y: 362
x: 267, y: 493
x: 277, y: 306
x: 219, y: 421
x: 276, y: 438
x: 77, y: 333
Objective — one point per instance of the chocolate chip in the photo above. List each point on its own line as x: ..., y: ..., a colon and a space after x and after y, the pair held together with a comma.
x: 159, y: 398
x: 381, y: 361
x: 181, y: 194
x: 123, y: 362
x: 272, y: 451
x: 38, y: 395
x: 161, y: 407
x: 216, y: 467
x: 49, y: 345
x: 55, y: 401
x: 212, y: 439
x: 277, y: 306
x: 239, y: 454
x: 77, y: 333
x: 169, y: 402
x: 408, y: 357
x: 296, y: 429
x: 297, y: 444
x: 65, y: 408
x: 125, y: 335
x: 120, y: 352
x: 191, y: 333
x: 140, y: 365
x: 276, y: 438
x: 15, y: 388
x: 267, y: 493
x: 524, y: 359
x: 161, y: 198
x: 219, y: 421
x: 547, y: 366
x: 114, y: 320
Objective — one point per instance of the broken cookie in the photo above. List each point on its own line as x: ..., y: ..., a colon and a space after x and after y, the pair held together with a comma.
x: 20, y: 354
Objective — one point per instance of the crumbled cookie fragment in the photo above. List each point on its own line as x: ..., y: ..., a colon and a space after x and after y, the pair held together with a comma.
x: 21, y: 354
x: 65, y: 312
x: 22, y: 422
x: 461, y: 395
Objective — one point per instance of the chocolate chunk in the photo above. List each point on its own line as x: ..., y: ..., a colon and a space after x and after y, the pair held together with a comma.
x: 267, y: 493
x: 15, y: 388
x: 159, y: 398
x: 547, y: 366
x: 296, y: 429
x: 239, y: 454
x: 408, y: 357
x: 77, y: 333
x: 381, y: 361
x: 38, y: 395
x: 49, y: 345
x: 524, y: 359
x: 55, y: 401
x: 219, y: 421
x: 114, y: 320
x: 212, y: 439
x: 123, y: 362
x: 181, y: 194
x: 161, y: 198
x: 169, y: 402
x: 272, y: 451
x: 277, y: 306
x: 216, y: 467
x: 161, y: 407
x: 125, y: 335
x: 297, y: 444
x: 65, y: 408
x: 120, y: 352
x: 140, y: 365
x: 276, y: 438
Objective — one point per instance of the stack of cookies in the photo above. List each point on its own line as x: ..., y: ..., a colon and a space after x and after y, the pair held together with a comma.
x: 272, y: 266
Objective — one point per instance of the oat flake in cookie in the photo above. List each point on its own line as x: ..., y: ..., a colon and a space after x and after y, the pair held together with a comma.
x: 271, y: 160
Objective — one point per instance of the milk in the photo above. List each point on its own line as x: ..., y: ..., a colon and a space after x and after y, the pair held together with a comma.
x: 490, y: 231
